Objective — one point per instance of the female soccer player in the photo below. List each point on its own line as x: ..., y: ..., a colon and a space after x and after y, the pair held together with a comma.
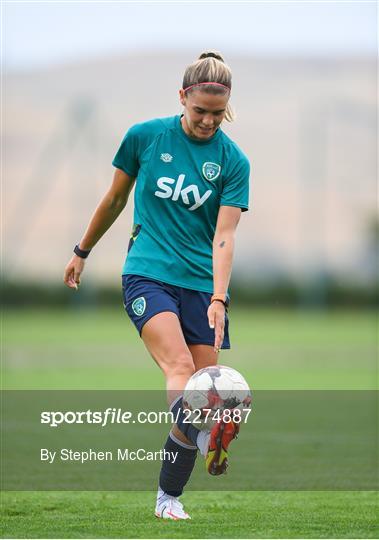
x: 192, y: 183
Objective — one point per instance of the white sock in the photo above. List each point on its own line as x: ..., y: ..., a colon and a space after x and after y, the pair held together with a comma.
x: 160, y: 494
x: 202, y: 442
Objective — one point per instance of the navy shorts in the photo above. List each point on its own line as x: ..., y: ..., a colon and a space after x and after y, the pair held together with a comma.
x: 145, y: 297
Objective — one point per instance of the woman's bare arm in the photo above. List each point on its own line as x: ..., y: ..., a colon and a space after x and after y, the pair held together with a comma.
x: 105, y: 215
x: 223, y: 249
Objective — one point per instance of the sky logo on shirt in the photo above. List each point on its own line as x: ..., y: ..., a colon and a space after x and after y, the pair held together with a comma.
x: 174, y: 193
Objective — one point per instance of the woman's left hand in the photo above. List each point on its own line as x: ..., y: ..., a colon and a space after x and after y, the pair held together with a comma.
x: 216, y: 318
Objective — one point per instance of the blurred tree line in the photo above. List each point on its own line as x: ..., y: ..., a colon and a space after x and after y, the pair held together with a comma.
x: 325, y: 291
x: 321, y: 290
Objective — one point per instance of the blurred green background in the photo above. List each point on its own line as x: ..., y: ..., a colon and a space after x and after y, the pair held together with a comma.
x: 274, y: 349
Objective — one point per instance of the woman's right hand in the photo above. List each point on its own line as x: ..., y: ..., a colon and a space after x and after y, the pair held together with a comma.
x: 73, y: 271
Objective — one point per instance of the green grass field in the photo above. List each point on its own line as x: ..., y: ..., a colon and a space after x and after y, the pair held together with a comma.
x: 273, y: 349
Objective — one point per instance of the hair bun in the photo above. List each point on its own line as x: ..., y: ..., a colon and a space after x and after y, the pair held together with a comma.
x: 211, y: 54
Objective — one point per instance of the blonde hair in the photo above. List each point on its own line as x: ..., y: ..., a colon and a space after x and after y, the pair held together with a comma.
x: 210, y: 67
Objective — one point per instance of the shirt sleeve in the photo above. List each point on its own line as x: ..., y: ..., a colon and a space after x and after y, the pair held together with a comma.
x: 127, y: 158
x: 236, y: 185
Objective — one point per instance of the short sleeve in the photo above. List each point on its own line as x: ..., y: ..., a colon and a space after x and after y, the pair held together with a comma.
x: 236, y: 185
x: 127, y: 158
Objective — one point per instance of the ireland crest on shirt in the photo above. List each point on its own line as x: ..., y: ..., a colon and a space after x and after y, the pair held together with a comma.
x: 211, y: 171
x: 139, y: 306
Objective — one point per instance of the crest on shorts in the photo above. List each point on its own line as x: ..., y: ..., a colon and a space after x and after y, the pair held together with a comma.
x: 211, y: 171
x: 139, y: 306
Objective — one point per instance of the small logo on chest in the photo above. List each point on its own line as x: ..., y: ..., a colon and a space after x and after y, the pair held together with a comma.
x: 166, y: 158
x: 211, y: 171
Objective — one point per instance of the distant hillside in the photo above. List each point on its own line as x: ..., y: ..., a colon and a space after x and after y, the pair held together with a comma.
x: 308, y: 127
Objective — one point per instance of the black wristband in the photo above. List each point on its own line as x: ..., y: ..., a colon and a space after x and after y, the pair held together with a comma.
x: 82, y: 253
x: 219, y: 300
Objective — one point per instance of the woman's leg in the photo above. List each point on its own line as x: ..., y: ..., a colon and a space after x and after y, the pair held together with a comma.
x: 163, y: 338
x: 203, y: 356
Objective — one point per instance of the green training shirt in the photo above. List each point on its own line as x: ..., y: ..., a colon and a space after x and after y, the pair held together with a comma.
x: 181, y: 183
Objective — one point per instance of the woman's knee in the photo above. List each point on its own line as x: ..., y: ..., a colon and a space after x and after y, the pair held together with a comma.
x: 180, y: 366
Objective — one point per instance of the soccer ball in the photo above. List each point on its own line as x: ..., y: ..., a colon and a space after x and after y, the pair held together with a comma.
x: 214, y: 391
